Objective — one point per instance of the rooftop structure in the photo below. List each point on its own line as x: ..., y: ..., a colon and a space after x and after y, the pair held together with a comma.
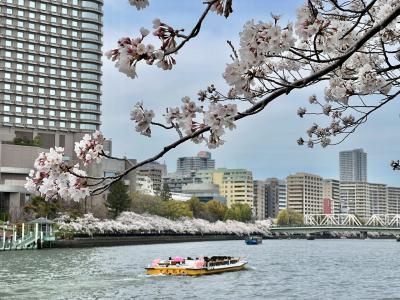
x: 188, y: 165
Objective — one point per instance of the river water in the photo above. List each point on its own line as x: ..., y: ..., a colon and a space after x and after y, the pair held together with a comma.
x: 277, y: 269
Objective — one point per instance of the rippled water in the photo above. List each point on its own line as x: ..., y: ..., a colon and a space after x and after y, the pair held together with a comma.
x: 277, y: 269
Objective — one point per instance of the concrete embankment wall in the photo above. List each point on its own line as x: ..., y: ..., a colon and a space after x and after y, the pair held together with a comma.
x: 138, y: 240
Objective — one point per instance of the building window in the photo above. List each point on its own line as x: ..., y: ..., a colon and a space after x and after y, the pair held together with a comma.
x: 87, y: 126
x: 90, y: 46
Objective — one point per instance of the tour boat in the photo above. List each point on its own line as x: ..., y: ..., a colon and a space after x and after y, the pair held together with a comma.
x: 195, y: 267
x: 253, y: 240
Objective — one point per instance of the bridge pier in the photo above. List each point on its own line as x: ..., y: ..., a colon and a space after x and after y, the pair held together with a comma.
x: 363, y: 234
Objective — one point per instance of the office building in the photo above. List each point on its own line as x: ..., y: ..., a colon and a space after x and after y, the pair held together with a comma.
x: 353, y: 165
x: 275, y: 196
x: 234, y: 184
x: 155, y: 171
x: 176, y: 181
x: 188, y: 165
x: 331, y: 191
x: 304, y: 193
x: 203, y: 191
x: 282, y: 194
x: 144, y: 185
x: 259, y: 199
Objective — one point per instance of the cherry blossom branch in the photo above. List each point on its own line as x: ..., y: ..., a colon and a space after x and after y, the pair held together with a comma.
x: 133, y: 50
x: 264, y: 102
x: 272, y: 62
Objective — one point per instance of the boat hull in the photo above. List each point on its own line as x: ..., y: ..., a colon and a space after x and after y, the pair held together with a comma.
x: 253, y: 242
x: 179, y: 271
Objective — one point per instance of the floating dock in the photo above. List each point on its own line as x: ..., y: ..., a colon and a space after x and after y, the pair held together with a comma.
x: 32, y: 235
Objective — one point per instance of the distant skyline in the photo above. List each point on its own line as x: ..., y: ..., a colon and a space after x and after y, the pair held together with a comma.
x: 266, y: 143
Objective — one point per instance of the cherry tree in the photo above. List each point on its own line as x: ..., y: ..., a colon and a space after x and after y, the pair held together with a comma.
x: 348, y: 47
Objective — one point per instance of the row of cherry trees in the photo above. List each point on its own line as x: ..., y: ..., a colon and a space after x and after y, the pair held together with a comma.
x: 350, y: 48
x: 130, y: 222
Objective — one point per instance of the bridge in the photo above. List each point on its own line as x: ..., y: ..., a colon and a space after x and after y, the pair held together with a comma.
x: 318, y: 223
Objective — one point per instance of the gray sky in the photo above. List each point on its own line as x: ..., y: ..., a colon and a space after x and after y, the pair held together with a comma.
x: 266, y: 143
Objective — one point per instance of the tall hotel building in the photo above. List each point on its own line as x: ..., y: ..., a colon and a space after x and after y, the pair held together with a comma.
x: 50, y: 69
x: 50, y: 85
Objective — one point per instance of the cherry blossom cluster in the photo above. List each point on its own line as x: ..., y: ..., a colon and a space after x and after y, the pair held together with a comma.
x: 132, y: 50
x: 221, y: 7
x: 139, y: 4
x: 395, y: 164
x: 217, y: 116
x: 53, y: 178
x: 339, y: 123
x: 90, y: 147
x: 143, y: 118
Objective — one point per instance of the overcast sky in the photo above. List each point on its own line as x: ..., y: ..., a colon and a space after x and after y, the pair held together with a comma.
x: 265, y: 143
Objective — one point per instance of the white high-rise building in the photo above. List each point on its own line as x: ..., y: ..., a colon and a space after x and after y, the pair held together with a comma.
x: 393, y: 194
x: 364, y: 199
x: 353, y: 165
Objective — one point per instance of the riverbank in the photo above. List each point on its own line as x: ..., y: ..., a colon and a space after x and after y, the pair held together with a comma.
x: 109, y: 241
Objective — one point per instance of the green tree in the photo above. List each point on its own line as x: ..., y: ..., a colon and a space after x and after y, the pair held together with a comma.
x: 24, y: 141
x: 118, y: 199
x: 198, y: 208
x: 289, y: 217
x: 176, y: 209
x: 239, y: 212
x: 38, y: 207
x: 165, y: 193
x: 216, y: 209
x: 142, y: 203
x: 37, y: 141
